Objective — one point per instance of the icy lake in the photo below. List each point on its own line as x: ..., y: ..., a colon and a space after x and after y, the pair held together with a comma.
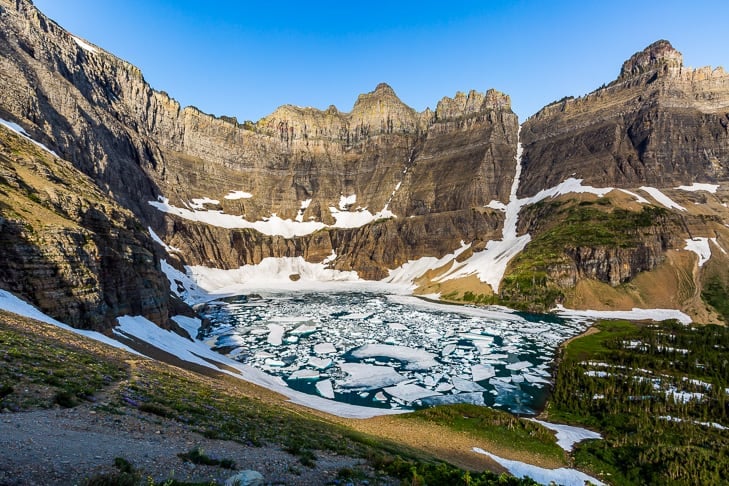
x: 393, y: 351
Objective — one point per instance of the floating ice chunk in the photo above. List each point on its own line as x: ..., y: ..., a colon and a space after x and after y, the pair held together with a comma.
x: 482, y: 372
x: 233, y: 195
x: 483, y: 347
x: 274, y: 363
x: 444, y: 387
x: 275, y: 335
x: 304, y: 329
x: 319, y: 363
x: 697, y: 186
x: 325, y: 388
x: 662, y: 198
x: 518, y: 366
x: 355, y: 316
x: 473, y: 336
x: 324, y: 348
x: 517, y: 379
x: 701, y: 247
x: 415, y: 359
x: 448, y: 349
x: 396, y: 326
x: 263, y: 355
x: 291, y: 339
x: 369, y: 377
x: 563, y: 475
x: 409, y: 392
x: 379, y: 397
x: 304, y: 375
x: 475, y: 398
x: 532, y: 378
x: 467, y: 386
x: 568, y: 435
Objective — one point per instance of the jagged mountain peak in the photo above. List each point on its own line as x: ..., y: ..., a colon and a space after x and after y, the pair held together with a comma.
x: 660, y: 53
x: 463, y: 104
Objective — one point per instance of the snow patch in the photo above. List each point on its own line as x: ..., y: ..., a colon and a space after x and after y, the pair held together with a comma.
x: 199, y: 203
x: 568, y: 435
x: 701, y: 247
x: 235, y: 195
x: 634, y: 315
x: 638, y: 198
x: 697, y: 186
x: 346, y: 201
x: 662, y: 198
x: 11, y: 303
x: 158, y: 240
x: 85, y: 45
x: 564, y: 476
x: 14, y: 127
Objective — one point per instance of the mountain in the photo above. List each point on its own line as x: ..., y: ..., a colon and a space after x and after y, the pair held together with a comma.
x: 579, y: 206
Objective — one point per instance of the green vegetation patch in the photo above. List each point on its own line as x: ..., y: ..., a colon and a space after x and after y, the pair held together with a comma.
x: 38, y: 371
x: 494, y: 426
x: 659, y: 394
x: 529, y: 285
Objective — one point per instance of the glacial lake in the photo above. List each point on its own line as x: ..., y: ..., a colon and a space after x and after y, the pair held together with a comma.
x: 392, y: 351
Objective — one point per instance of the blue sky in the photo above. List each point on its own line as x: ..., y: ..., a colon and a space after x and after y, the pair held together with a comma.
x: 245, y: 58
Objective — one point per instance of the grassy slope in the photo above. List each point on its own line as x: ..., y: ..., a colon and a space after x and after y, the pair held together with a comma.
x: 626, y: 405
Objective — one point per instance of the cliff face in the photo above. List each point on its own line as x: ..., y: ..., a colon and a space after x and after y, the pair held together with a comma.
x: 659, y: 124
x: 68, y: 248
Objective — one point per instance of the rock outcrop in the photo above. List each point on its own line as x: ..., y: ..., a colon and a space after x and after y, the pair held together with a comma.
x: 659, y: 124
x: 68, y: 248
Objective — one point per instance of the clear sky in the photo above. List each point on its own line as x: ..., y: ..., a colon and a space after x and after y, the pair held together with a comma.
x: 244, y: 58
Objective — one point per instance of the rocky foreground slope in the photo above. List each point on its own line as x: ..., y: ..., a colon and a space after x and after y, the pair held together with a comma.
x: 591, y: 216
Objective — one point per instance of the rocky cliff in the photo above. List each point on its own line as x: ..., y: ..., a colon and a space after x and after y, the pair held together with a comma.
x: 658, y: 124
x: 68, y: 248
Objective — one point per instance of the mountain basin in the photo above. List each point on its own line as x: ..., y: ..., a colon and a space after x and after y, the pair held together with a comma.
x: 393, y: 351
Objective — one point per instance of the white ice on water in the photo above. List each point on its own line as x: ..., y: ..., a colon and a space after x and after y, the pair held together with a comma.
x: 364, y: 376
x: 414, y: 359
x: 564, y: 476
x: 409, y: 392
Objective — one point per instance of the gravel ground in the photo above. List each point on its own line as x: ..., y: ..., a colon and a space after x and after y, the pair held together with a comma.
x: 66, y: 446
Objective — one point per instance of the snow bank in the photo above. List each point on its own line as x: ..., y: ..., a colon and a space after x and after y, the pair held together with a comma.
x: 11, y: 303
x: 662, y: 198
x: 701, y: 247
x: 14, y: 127
x: 408, y: 272
x: 273, y: 225
x: 563, y: 475
x: 697, y: 186
x: 85, y: 45
x: 634, y: 315
x: 234, y: 195
x: 568, y: 435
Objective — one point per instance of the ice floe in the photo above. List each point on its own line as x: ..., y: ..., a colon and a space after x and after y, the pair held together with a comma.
x: 414, y: 359
x: 369, y: 377
x: 564, y: 476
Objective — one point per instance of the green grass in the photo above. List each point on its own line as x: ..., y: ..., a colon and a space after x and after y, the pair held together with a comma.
x: 643, y: 365
x: 39, y: 372
x: 494, y: 426
x: 529, y: 283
